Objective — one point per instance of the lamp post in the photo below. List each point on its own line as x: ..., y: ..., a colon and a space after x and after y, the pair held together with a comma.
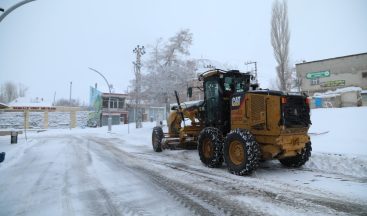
x: 109, y: 99
x: 8, y: 11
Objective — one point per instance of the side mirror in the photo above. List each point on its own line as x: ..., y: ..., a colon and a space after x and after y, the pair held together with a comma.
x: 189, y: 92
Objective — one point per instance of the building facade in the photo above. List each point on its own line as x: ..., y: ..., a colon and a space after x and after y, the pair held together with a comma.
x: 333, y: 73
x: 104, y: 104
x: 117, y: 108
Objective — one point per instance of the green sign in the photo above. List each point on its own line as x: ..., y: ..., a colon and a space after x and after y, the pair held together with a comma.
x: 318, y: 74
x: 333, y: 83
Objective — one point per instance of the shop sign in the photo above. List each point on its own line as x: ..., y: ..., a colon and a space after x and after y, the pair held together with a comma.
x: 333, y: 83
x: 318, y: 74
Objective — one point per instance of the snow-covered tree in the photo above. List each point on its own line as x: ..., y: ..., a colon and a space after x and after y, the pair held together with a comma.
x: 9, y: 91
x: 168, y: 68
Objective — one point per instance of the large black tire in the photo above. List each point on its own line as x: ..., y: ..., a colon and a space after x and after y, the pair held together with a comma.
x: 241, y: 152
x: 298, y: 160
x: 157, y: 136
x: 210, y: 146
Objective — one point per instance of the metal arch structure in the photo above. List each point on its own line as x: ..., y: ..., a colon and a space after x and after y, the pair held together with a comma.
x: 8, y: 11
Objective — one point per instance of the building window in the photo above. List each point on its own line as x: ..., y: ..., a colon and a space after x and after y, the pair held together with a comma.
x: 364, y: 74
x: 105, y: 102
x: 121, y: 103
x: 315, y: 81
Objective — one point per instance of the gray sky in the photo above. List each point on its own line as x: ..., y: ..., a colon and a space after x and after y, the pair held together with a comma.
x: 48, y: 43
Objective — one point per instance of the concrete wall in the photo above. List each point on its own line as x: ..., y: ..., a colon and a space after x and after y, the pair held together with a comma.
x: 348, y: 69
x: 36, y: 119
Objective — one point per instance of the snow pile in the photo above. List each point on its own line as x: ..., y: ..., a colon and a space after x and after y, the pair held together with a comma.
x: 346, y: 129
x: 343, y: 146
x: 342, y: 164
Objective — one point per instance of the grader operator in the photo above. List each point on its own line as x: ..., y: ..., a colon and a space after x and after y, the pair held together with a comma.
x: 240, y: 125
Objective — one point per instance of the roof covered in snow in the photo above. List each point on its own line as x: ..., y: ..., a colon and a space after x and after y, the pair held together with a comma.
x: 338, y: 92
x: 3, y: 106
x: 30, y: 102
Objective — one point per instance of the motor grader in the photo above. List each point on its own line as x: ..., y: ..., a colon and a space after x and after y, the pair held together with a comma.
x: 240, y: 124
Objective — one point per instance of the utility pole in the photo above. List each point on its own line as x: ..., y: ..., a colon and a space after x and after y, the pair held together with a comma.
x: 53, y: 104
x: 139, y: 51
x: 255, y: 70
x: 71, y: 84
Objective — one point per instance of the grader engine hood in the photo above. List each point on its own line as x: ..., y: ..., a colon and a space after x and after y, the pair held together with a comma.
x: 270, y: 112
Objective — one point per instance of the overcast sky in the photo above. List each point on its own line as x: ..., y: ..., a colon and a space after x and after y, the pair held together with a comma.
x: 48, y: 43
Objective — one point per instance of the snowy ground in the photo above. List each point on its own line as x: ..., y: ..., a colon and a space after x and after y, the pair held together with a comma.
x: 92, y: 172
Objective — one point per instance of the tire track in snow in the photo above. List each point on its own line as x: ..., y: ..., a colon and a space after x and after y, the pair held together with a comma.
x: 97, y: 201
x: 293, y: 196
x: 200, y: 201
x: 320, y: 202
x: 115, y: 206
x: 40, y: 185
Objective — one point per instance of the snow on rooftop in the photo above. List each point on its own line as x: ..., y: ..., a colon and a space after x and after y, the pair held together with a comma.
x: 338, y: 92
x: 30, y: 102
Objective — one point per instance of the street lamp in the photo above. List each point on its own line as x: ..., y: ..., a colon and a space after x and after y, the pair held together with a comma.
x: 6, y: 12
x: 109, y: 99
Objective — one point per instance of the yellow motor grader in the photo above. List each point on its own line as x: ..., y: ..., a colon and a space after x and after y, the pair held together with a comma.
x: 240, y: 125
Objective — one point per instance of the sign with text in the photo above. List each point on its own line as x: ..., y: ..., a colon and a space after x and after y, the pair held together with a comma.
x: 333, y: 83
x: 318, y: 74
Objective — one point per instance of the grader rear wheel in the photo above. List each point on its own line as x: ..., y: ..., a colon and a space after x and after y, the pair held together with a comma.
x: 298, y: 160
x: 241, y: 152
x: 210, y: 145
x: 236, y: 152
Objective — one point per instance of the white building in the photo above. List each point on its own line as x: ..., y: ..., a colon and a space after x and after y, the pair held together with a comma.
x: 333, y: 73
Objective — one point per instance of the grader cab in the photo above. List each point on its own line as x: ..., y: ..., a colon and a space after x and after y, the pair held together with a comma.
x: 240, y: 125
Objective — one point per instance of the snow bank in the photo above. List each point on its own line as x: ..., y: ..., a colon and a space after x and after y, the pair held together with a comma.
x: 342, y: 145
x: 346, y: 130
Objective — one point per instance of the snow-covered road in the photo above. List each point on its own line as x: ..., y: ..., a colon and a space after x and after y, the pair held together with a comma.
x: 91, y: 172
